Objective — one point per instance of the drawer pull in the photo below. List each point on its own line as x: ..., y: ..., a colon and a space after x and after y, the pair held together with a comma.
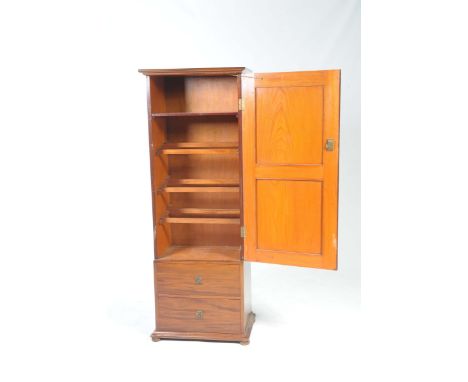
x: 199, y: 315
x: 198, y: 280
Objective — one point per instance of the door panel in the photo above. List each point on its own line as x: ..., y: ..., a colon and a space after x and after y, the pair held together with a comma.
x: 289, y: 215
x: 289, y: 125
x: 290, y: 181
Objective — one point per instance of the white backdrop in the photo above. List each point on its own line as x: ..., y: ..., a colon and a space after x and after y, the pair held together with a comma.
x: 75, y: 207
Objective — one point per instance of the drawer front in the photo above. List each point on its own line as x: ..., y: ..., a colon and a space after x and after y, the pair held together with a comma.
x: 208, y: 279
x: 207, y: 315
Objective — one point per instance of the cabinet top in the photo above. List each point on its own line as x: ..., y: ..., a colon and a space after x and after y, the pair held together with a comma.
x: 193, y: 71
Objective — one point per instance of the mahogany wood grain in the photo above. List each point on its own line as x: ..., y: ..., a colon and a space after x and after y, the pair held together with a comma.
x: 200, y: 278
x: 218, y: 315
x: 290, y: 182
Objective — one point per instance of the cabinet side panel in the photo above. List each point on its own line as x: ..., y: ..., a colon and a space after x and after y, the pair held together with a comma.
x: 247, y: 306
x: 158, y: 163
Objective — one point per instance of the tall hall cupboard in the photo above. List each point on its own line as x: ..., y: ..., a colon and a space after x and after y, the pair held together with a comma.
x: 244, y: 167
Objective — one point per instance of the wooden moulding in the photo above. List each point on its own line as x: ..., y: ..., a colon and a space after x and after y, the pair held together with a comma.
x: 196, y: 114
x: 199, y: 220
x: 194, y: 71
x: 184, y: 148
x: 199, y: 189
x: 243, y: 338
x: 202, y: 182
x: 234, y: 212
x: 199, y: 151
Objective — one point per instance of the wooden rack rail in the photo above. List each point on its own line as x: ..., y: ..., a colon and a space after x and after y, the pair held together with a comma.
x: 199, y: 220
x: 194, y: 114
x: 200, y: 185
x: 184, y: 148
x: 235, y: 212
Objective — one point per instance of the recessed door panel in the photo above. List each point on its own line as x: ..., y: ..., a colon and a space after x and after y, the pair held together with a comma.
x: 289, y: 122
x: 289, y: 215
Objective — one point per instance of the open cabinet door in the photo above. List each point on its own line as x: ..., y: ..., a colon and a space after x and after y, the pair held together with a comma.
x: 290, y: 145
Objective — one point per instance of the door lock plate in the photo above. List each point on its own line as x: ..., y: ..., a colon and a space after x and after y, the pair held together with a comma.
x: 199, y: 315
x: 330, y: 145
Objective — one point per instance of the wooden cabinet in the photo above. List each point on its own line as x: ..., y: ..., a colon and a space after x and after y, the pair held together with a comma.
x: 244, y: 167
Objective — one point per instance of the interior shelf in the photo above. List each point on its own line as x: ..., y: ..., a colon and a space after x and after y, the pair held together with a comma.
x: 201, y: 253
x: 200, y: 220
x: 196, y: 166
x: 196, y: 114
x: 183, y: 148
x: 203, y: 182
x: 200, y: 189
x: 205, y: 211
x: 200, y: 185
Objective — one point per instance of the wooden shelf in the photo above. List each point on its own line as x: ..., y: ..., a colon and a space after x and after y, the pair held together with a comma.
x: 200, y: 185
x: 200, y: 253
x: 200, y: 220
x: 194, y: 114
x: 199, y: 189
x: 201, y: 145
x: 235, y: 212
x: 203, y: 182
x: 184, y: 148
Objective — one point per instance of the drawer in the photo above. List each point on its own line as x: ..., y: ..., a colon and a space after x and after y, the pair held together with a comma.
x: 207, y: 315
x: 198, y: 279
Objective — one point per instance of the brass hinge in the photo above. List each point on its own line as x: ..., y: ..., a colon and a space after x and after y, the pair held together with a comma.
x: 241, y: 104
x: 243, y: 232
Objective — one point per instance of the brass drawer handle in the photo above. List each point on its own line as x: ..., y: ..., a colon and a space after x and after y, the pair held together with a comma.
x: 199, y: 315
x: 198, y: 280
